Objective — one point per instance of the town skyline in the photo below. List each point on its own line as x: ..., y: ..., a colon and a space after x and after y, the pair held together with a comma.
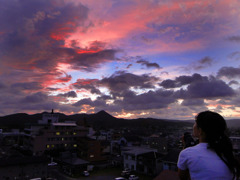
x: 133, y: 59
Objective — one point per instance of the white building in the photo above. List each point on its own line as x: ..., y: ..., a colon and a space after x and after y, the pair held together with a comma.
x: 130, y: 156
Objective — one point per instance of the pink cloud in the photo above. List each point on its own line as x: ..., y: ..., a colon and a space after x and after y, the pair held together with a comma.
x: 191, y: 25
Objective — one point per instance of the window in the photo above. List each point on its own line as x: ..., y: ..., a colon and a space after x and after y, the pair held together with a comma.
x: 75, y: 145
x: 74, y: 133
x: 58, y: 133
x: 48, y: 146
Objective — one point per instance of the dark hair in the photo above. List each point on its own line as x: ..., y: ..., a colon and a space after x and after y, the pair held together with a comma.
x: 214, y: 126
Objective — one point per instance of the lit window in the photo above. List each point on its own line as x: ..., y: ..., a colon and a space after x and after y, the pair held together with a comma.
x: 48, y: 146
x: 74, y: 133
x: 58, y: 133
x: 62, y: 139
x: 91, y: 156
x: 75, y: 145
x: 52, y: 146
x: 65, y: 145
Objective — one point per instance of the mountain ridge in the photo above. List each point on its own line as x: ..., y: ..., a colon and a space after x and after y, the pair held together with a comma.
x: 99, y: 120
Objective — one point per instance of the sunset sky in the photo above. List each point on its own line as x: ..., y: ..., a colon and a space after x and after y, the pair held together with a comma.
x: 132, y: 58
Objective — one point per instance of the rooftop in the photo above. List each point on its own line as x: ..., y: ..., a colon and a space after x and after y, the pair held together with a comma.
x: 65, y: 124
x: 138, y: 150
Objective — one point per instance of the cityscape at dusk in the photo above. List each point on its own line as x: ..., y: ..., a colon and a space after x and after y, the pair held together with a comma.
x: 132, y: 58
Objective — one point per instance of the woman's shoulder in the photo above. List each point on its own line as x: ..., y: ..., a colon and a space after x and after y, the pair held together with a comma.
x: 195, y: 148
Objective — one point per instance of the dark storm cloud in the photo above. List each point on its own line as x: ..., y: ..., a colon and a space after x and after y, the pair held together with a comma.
x: 72, y: 94
x: 234, y: 39
x: 32, y: 43
x: 121, y: 81
x: 35, y: 98
x: 149, y: 100
x: 229, y: 72
x: 122, y: 98
x: 27, y: 86
x: 209, y: 88
x: 91, y: 61
x: 148, y: 64
x: 37, y: 102
x: 182, y: 80
x: 131, y: 101
x: 88, y: 84
x: 193, y: 102
x: 233, y: 82
x: 88, y: 101
x: 33, y: 24
x: 33, y: 33
x: 52, y: 89
x: 41, y: 17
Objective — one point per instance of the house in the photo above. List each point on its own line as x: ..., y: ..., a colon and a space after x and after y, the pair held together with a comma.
x: 130, y: 155
x: 149, y: 163
x: 71, y: 165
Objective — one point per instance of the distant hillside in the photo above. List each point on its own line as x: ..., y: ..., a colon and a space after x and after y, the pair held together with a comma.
x: 100, y: 120
x: 231, y: 123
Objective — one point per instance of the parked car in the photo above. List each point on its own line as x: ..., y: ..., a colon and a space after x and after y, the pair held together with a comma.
x: 86, y: 173
x: 120, y: 178
x: 133, y: 177
x: 125, y: 173
x: 127, y: 169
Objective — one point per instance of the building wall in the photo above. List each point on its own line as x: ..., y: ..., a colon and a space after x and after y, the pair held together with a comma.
x: 130, y: 161
x: 91, y: 150
x: 55, y: 137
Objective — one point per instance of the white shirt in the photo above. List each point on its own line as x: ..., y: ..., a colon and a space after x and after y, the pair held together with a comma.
x: 203, y: 163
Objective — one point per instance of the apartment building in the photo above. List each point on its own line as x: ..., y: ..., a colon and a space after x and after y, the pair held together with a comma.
x: 49, y: 134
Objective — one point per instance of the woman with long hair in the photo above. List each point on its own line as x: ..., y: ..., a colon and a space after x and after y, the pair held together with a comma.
x: 213, y: 157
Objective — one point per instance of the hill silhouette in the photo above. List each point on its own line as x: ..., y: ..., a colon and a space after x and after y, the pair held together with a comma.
x: 100, y: 120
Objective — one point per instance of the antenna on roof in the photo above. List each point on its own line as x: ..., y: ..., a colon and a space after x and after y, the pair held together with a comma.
x: 52, y: 111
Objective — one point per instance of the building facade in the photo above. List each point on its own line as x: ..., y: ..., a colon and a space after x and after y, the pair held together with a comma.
x: 49, y: 134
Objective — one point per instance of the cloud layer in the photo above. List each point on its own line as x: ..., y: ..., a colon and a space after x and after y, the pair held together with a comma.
x: 165, y: 59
